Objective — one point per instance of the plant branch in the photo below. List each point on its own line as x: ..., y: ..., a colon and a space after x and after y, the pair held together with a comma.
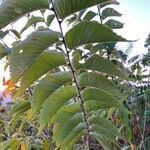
x: 30, y: 91
x: 99, y: 13
x: 85, y: 118
x: 142, y: 145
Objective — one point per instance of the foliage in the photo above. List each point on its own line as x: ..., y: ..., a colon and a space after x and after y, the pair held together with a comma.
x: 70, y: 88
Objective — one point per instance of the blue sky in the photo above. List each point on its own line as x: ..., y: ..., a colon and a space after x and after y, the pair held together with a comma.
x: 137, y: 22
x: 137, y: 8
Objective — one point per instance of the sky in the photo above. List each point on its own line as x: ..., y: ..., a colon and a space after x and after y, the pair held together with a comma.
x: 137, y: 22
x: 137, y: 26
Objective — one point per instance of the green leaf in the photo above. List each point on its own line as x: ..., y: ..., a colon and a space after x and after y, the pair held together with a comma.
x: 110, y: 12
x: 32, y: 22
x: 54, y: 103
x: 101, y: 140
x: 112, y: 2
x: 92, y: 79
x: 74, y: 135
x: 3, y: 52
x: 65, y: 8
x: 96, y: 48
x: 89, y: 15
x: 25, y: 53
x: 16, y: 33
x: 72, y: 19
x: 67, y: 120
x: 148, y: 142
x: 42, y: 28
x: 104, y: 128
x: 46, y: 87
x: 114, y: 24
x: 22, y: 106
x: 15, y: 144
x: 98, y: 97
x: 9, y: 144
x: 147, y: 41
x: 75, y: 60
x: 87, y: 32
x: 43, y: 11
x: 50, y: 18
x: 3, y: 34
x: 104, y: 132
x: 98, y: 63
x: 147, y: 94
x: 47, y: 61
x: 11, y: 10
x: 124, y: 117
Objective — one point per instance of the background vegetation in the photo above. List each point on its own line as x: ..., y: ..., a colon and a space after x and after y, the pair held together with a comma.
x: 71, y: 87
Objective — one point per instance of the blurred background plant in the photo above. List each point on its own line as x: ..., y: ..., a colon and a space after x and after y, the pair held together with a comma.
x: 19, y: 115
